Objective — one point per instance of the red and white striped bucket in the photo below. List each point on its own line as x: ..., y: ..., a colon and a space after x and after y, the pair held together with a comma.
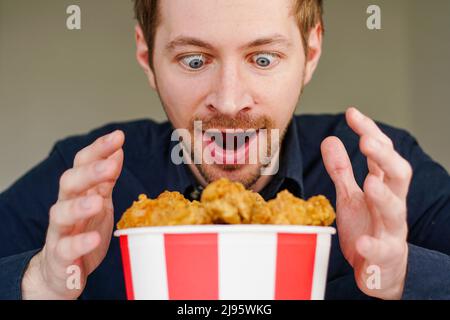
x: 233, y: 262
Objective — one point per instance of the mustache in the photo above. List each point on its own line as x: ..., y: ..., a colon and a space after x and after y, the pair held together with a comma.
x: 242, y: 121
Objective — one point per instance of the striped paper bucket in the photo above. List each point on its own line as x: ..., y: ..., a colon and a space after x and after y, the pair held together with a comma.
x: 232, y: 262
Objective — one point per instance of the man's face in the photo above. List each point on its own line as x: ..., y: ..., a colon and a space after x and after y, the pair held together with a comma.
x: 232, y: 64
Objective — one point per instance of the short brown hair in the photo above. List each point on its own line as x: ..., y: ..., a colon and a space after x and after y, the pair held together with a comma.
x: 307, y: 12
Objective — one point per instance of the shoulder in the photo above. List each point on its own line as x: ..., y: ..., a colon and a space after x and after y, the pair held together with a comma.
x: 142, y: 138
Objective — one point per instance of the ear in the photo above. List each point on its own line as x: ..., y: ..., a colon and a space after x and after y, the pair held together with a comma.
x: 314, y: 52
x: 142, y: 55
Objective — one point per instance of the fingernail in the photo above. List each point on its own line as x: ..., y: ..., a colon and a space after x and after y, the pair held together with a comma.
x: 110, y: 137
x: 86, y: 203
x: 88, y: 240
x: 101, y: 167
x: 358, y: 114
x: 365, y: 246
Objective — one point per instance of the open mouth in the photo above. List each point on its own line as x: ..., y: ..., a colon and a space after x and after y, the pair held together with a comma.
x: 230, y: 146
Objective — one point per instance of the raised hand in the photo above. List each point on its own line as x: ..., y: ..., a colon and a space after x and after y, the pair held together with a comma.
x: 80, y: 223
x: 371, y: 222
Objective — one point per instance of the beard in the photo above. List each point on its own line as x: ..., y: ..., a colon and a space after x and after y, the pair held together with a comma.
x: 248, y: 172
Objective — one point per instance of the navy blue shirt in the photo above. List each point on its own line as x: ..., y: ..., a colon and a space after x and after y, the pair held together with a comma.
x: 148, y: 169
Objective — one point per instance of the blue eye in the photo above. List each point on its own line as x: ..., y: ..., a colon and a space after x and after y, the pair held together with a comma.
x: 264, y: 60
x: 194, y: 62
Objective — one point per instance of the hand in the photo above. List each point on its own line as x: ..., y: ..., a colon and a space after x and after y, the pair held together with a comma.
x: 371, y: 222
x: 80, y: 223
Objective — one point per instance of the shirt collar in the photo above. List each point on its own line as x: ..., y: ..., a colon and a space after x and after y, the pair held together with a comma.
x: 185, y: 181
x: 290, y: 173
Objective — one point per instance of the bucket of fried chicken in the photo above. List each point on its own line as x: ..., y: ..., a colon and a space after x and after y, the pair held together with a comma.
x: 231, y: 245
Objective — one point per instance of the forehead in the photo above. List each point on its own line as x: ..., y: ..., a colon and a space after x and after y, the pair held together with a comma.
x: 226, y: 21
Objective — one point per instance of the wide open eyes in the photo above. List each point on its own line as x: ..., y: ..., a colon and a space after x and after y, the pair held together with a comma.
x: 193, y: 62
x: 261, y: 60
x: 265, y: 60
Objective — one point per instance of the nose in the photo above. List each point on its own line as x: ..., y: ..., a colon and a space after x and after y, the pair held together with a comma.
x: 229, y: 95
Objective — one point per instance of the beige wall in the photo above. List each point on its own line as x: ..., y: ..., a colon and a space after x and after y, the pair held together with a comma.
x: 55, y: 82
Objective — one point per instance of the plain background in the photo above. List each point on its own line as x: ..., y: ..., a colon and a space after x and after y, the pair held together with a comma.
x: 55, y: 82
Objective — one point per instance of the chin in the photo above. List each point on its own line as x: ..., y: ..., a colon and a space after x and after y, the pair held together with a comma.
x: 247, y: 174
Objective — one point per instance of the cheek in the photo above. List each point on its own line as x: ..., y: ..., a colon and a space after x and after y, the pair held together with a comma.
x: 181, y: 96
x: 279, y: 94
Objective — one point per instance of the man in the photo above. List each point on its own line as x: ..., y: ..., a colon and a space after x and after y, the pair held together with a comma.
x: 232, y: 65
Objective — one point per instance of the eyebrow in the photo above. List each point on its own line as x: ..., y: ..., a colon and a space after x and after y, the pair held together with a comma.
x: 275, y: 39
x: 187, y: 41
x: 183, y: 41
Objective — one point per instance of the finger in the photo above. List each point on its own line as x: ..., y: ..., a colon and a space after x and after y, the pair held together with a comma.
x: 338, y: 166
x: 105, y: 189
x: 375, y: 169
x: 397, y: 170
x: 72, y: 248
x: 102, y: 148
x: 65, y: 214
x: 363, y: 125
x: 76, y: 181
x: 383, y: 203
x: 118, y: 158
x: 375, y: 251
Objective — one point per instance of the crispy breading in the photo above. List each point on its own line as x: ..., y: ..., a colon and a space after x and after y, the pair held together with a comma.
x: 288, y: 209
x: 261, y: 213
x: 169, y: 209
x: 227, y: 202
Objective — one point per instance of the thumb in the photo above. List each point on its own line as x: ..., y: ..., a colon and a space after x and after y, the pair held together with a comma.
x: 339, y: 167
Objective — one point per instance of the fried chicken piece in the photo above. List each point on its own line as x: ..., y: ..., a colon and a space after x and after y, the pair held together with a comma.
x: 229, y: 202
x: 173, y: 208
x: 261, y: 213
x: 169, y: 209
x: 290, y: 210
x: 287, y: 209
